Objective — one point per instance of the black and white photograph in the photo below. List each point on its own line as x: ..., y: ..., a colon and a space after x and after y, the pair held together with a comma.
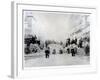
x: 53, y: 38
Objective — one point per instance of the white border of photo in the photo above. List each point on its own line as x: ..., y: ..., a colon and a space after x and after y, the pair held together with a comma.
x: 17, y: 69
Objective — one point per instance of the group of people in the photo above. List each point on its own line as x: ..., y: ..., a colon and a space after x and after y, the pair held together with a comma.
x: 48, y: 51
x: 71, y: 47
x: 75, y: 44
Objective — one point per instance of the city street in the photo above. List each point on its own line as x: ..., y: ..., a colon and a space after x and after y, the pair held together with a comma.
x: 56, y: 60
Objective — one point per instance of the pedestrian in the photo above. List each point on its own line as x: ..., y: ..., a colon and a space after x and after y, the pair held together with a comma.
x: 87, y: 50
x: 68, y: 50
x: 73, y: 52
x: 54, y: 51
x: 80, y: 43
x: 60, y: 51
x: 47, y: 52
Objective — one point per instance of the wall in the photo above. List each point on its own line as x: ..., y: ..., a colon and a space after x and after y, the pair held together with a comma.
x: 5, y: 39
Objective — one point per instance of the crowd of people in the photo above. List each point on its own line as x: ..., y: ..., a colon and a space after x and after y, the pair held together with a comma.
x: 71, y: 46
x: 75, y: 44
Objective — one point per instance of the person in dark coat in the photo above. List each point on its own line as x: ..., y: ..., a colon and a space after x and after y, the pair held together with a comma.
x: 80, y: 43
x: 87, y: 50
x: 68, y: 50
x: 60, y: 51
x: 47, y: 52
x: 73, y: 52
x: 54, y: 51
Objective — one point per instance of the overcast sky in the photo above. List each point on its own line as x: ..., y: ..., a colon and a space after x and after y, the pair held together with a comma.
x: 50, y: 25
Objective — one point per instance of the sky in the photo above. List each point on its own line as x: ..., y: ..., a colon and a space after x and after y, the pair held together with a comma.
x: 51, y: 25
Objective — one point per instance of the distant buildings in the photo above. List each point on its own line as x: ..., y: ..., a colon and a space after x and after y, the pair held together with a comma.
x: 82, y: 29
